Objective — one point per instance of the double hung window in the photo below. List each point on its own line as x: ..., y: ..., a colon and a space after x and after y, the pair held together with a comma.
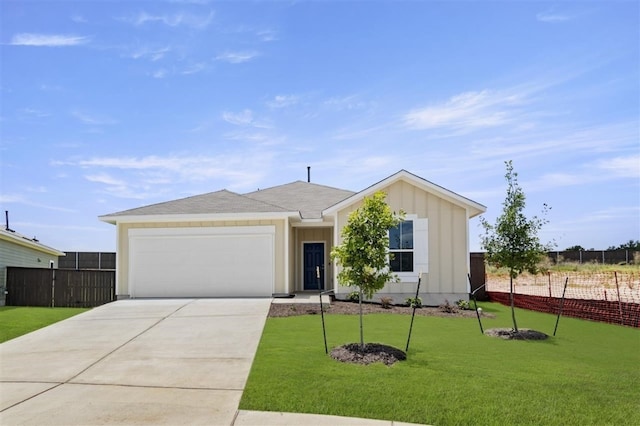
x: 401, y: 247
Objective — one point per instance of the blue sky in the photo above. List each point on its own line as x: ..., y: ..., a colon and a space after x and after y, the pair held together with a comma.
x: 107, y: 106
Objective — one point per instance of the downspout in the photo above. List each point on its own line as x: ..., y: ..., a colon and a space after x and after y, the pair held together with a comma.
x: 468, y: 253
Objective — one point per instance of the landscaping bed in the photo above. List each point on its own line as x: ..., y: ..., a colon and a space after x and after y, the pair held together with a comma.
x: 352, y: 308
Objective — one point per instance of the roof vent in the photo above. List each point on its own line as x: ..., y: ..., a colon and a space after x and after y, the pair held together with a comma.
x: 309, y: 174
x: 6, y: 218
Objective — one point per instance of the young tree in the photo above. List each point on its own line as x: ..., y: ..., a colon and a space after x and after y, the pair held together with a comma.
x: 363, y: 253
x: 513, y: 241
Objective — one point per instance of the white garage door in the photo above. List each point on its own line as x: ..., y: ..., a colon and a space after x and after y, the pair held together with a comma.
x: 201, y: 262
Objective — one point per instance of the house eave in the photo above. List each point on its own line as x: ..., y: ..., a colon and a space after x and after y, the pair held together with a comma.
x: 115, y: 219
x: 312, y: 223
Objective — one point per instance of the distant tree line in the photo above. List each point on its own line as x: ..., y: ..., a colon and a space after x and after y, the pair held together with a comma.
x: 629, y: 245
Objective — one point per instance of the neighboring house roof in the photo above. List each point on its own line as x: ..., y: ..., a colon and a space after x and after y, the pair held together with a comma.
x: 474, y: 208
x: 19, y: 239
x: 307, y: 198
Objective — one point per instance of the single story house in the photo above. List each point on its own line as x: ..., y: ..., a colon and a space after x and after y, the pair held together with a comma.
x: 273, y: 241
x: 18, y: 250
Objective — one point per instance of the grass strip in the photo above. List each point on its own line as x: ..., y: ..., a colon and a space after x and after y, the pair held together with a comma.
x: 18, y: 320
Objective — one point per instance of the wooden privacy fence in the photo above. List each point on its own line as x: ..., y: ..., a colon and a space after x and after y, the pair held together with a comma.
x: 59, y: 287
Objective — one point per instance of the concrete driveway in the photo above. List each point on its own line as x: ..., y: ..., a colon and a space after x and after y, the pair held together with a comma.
x: 179, y: 361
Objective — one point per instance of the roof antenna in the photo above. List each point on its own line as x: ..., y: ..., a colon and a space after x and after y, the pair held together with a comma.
x: 309, y: 174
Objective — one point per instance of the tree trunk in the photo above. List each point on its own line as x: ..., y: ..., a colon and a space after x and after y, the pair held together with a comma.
x: 361, y: 329
x: 513, y: 311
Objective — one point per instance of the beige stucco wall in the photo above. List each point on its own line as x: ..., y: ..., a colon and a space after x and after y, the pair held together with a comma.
x: 448, y: 254
x: 122, y: 278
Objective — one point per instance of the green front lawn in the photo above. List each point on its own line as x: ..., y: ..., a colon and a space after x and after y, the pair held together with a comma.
x: 587, y: 374
x: 18, y: 320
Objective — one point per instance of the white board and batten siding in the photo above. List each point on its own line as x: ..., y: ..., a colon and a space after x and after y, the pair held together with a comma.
x: 440, y: 244
x: 237, y: 261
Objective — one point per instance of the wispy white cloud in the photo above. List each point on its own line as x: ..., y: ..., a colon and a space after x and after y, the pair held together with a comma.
x: 267, y: 35
x: 50, y: 88
x: 20, y: 199
x: 551, y: 16
x: 34, y: 113
x: 550, y: 140
x: 105, y: 178
x: 92, y: 119
x: 79, y: 19
x: 244, y: 118
x: 255, y: 138
x: 465, y: 111
x: 194, y: 68
x: 47, y: 40
x: 146, y: 177
x: 190, y: 20
x: 283, y: 101
x: 160, y: 73
x: 624, y: 167
x: 118, y: 187
x: 152, y: 54
x: 237, y: 57
x: 350, y: 102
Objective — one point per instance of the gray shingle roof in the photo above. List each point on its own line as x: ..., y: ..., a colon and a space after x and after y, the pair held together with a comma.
x: 13, y: 236
x: 214, y: 202
x: 309, y: 199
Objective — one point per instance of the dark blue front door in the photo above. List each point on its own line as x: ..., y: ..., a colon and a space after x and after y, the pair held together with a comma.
x: 313, y: 258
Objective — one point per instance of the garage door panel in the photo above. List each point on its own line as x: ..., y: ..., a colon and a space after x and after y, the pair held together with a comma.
x: 170, y: 263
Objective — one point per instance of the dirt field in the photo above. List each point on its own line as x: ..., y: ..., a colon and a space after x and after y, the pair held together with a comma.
x: 581, y: 285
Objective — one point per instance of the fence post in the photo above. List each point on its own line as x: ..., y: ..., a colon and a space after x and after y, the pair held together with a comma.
x: 619, y: 302
x: 53, y: 286
x: 566, y: 281
x: 413, y: 314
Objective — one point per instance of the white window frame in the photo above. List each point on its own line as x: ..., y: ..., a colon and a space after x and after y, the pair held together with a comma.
x: 420, y: 249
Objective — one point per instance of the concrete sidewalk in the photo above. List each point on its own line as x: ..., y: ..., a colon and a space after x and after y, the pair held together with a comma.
x: 178, y: 361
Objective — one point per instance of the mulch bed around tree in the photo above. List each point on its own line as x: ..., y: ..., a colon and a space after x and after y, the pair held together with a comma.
x: 372, y: 352
x: 511, y: 334
x: 351, y: 308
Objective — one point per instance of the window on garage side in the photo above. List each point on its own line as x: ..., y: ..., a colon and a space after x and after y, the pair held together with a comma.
x: 401, y: 247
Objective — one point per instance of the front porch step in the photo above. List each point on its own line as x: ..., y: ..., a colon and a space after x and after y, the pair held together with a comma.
x: 304, y: 298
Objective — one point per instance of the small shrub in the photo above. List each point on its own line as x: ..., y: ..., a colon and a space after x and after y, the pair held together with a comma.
x: 354, y: 296
x: 414, y: 302
x: 386, y: 302
x: 463, y: 304
x: 448, y: 307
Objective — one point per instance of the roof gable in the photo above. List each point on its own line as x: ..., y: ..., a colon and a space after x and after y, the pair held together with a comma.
x: 309, y: 199
x: 471, y: 206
